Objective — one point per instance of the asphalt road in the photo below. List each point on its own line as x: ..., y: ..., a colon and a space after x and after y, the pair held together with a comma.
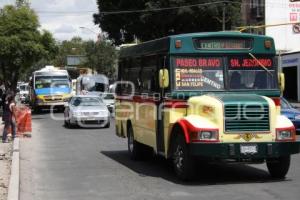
x: 78, y: 164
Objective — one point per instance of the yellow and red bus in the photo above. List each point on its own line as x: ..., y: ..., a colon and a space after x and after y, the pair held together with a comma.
x: 214, y: 96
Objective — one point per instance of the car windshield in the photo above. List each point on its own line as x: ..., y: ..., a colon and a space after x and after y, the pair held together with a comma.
x: 108, y: 96
x: 23, y: 87
x: 285, y: 104
x: 86, y: 101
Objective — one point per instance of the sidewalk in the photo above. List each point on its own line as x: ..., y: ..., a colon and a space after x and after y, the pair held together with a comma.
x: 5, y: 166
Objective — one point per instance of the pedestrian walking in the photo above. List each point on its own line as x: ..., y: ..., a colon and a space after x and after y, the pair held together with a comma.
x: 9, y: 116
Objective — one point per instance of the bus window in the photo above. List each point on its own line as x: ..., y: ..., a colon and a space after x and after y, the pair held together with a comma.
x: 149, y: 75
x: 246, y: 73
x: 203, y: 73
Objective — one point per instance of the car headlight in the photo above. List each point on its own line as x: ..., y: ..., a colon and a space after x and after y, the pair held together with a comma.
x: 104, y: 113
x: 297, y: 116
x: 285, y: 134
x: 77, y: 114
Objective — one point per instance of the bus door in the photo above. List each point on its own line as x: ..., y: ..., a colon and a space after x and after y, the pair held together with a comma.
x: 160, y: 135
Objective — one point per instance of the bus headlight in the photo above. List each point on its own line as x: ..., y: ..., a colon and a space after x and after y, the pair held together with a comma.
x: 39, y: 100
x: 287, y: 134
x: 206, y: 136
x: 67, y: 99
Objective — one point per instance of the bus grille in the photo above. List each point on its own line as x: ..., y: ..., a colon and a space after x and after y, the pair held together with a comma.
x: 53, y: 98
x: 246, y: 117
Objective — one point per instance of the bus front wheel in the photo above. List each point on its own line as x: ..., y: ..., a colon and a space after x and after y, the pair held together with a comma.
x: 183, y: 162
x: 278, y: 167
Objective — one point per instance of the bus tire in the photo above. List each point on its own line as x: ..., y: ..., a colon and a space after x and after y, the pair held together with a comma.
x: 134, y: 147
x: 278, y: 167
x: 183, y: 162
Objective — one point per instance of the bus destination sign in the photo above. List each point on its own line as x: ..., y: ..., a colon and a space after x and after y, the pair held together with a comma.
x: 247, y: 63
x: 198, y: 62
x: 204, y: 73
x: 223, y: 43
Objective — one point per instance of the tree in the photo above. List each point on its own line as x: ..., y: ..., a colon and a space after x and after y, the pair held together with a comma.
x: 20, y: 3
x: 75, y: 46
x: 22, y: 44
x: 124, y: 27
x: 101, y: 57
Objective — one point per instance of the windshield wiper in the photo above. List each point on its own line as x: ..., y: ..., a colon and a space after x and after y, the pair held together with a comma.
x: 260, y: 64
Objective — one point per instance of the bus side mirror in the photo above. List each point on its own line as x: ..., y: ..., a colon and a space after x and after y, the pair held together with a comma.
x: 163, y: 78
x: 281, y: 82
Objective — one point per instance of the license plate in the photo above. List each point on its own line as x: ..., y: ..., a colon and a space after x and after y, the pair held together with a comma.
x: 90, y: 119
x: 249, y: 149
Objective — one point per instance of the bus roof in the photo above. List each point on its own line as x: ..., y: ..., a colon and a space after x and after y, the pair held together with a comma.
x: 51, y: 70
x: 98, y: 78
x: 166, y: 45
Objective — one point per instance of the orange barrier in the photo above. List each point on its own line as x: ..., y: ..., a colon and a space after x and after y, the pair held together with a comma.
x: 23, y: 114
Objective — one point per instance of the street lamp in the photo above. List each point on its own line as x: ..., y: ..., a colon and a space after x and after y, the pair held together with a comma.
x: 89, y: 29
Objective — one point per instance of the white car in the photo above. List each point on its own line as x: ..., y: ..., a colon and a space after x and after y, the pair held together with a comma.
x: 24, y: 92
x: 109, y: 100
x: 86, y: 111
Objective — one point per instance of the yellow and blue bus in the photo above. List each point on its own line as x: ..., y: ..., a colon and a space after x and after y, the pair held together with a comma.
x: 214, y: 96
x: 50, y: 87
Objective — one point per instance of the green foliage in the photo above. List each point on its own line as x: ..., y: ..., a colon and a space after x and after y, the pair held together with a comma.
x: 75, y: 46
x: 122, y: 28
x: 22, y: 44
x: 100, y: 56
x: 20, y: 3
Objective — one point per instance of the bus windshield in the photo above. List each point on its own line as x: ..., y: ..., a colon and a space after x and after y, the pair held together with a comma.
x: 198, y: 73
x: 51, y: 82
x: 207, y: 73
x: 247, y: 73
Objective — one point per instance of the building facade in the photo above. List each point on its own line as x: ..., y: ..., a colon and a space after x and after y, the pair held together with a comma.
x: 253, y: 14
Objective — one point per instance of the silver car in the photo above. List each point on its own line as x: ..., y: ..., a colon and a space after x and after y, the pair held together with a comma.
x: 86, y: 111
x: 109, y: 100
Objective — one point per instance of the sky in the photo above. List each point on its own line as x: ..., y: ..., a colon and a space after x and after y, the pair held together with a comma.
x: 63, y: 18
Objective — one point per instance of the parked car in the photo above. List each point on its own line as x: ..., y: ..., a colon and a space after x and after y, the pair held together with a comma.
x: 86, y: 111
x: 291, y: 112
x: 24, y: 92
x: 109, y: 100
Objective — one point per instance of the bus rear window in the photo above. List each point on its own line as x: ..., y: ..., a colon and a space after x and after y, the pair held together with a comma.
x: 198, y: 73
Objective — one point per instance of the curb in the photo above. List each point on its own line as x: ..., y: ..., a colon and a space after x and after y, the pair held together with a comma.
x: 14, y: 181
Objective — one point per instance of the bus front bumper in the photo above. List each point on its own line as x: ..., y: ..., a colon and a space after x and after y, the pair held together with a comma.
x: 49, y: 104
x: 244, y: 150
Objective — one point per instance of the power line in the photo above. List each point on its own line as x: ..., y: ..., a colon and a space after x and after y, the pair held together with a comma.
x: 135, y: 11
x: 162, y: 9
x: 88, y: 12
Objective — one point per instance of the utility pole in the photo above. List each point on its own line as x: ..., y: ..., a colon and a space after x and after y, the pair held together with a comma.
x: 224, y: 16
